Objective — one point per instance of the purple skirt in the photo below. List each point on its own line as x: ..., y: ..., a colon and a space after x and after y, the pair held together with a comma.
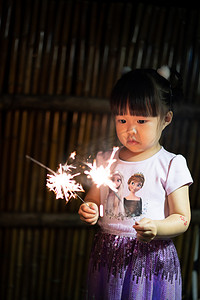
x: 124, y: 268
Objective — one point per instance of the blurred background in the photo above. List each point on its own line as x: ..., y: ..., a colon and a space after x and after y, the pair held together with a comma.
x: 58, y: 63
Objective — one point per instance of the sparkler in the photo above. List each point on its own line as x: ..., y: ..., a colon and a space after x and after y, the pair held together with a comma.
x: 62, y: 182
x: 101, y: 175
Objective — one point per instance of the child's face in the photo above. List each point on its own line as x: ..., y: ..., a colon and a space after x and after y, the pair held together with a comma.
x: 139, y: 134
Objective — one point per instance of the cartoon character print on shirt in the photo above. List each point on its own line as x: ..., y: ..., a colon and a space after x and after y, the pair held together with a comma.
x: 114, y: 204
x: 133, y: 203
x: 121, y: 207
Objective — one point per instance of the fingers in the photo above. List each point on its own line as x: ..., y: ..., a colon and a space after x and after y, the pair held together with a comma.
x: 146, y: 230
x: 89, y: 213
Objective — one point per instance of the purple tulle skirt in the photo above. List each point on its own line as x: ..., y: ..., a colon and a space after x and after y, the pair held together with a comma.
x: 124, y: 268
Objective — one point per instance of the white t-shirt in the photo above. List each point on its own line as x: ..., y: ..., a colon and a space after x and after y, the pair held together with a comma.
x: 142, y: 189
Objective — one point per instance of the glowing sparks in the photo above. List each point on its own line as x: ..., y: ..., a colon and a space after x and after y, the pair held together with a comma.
x: 63, y: 184
x: 73, y: 155
x: 101, y: 175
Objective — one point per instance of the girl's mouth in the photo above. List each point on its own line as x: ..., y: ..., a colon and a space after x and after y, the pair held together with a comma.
x: 132, y: 142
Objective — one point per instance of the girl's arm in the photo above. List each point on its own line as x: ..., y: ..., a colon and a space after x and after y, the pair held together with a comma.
x: 176, y: 223
x: 89, y: 212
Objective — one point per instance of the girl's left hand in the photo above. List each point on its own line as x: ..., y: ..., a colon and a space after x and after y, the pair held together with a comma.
x: 146, y: 230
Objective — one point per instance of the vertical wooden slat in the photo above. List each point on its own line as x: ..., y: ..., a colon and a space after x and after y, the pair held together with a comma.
x: 25, y: 25
x: 13, y: 268
x: 188, y: 53
x: 27, y: 171
x: 114, y: 45
x: 26, y: 263
x: 72, y: 49
x: 158, y: 33
x: 179, y: 39
x: 57, y: 272
x: 97, y: 55
x: 63, y: 127
x: 141, y: 44
x: 47, y: 62
x: 40, y: 39
x: 62, y: 59
x: 66, y: 266
x: 73, y: 266
x: 6, y: 265
x: 5, y: 29
x: 193, y: 87
x: 135, y: 35
x: 5, y: 170
x: 124, y: 39
x: 53, y: 44
x: 79, y: 274
x: 50, y: 258
x: 43, y: 145
x: 81, y: 49
x: 73, y: 132
x: 107, y: 27
x: 31, y: 49
x: 34, y: 262
x: 90, y: 51
x: 11, y: 164
x: 12, y: 82
x: 20, y: 162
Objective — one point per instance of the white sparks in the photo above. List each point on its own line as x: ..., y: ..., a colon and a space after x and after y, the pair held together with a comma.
x: 63, y: 184
x: 73, y: 155
x: 101, y: 175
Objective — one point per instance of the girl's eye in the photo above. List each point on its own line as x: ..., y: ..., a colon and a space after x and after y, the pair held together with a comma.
x: 141, y: 121
x: 122, y: 121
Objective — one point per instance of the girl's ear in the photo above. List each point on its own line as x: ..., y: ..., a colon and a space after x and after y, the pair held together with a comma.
x: 168, y: 118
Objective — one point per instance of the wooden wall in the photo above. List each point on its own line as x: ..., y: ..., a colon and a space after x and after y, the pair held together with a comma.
x: 59, y: 61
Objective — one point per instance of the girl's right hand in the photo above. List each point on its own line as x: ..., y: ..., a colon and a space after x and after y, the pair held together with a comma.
x: 89, y: 213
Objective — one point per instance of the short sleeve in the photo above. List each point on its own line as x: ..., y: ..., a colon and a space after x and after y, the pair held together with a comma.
x: 178, y: 174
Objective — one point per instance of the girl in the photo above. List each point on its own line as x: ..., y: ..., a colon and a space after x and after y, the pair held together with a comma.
x: 133, y: 257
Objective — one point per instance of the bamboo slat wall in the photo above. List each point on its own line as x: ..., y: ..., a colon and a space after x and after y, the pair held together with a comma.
x: 59, y: 61
x: 79, y: 47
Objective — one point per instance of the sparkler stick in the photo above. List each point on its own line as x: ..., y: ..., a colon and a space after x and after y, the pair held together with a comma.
x: 62, y: 183
x: 40, y: 164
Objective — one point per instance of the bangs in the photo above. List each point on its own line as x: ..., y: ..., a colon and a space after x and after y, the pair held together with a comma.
x: 134, y: 106
x: 139, y: 99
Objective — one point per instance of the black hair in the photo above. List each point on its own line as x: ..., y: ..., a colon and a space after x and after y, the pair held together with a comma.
x: 142, y: 92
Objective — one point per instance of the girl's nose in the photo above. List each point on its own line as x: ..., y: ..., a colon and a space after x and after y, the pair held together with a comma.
x: 132, y: 129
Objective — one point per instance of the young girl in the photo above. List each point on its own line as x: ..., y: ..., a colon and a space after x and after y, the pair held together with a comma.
x: 133, y: 257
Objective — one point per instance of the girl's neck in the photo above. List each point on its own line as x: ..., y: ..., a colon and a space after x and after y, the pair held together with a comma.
x: 126, y: 155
